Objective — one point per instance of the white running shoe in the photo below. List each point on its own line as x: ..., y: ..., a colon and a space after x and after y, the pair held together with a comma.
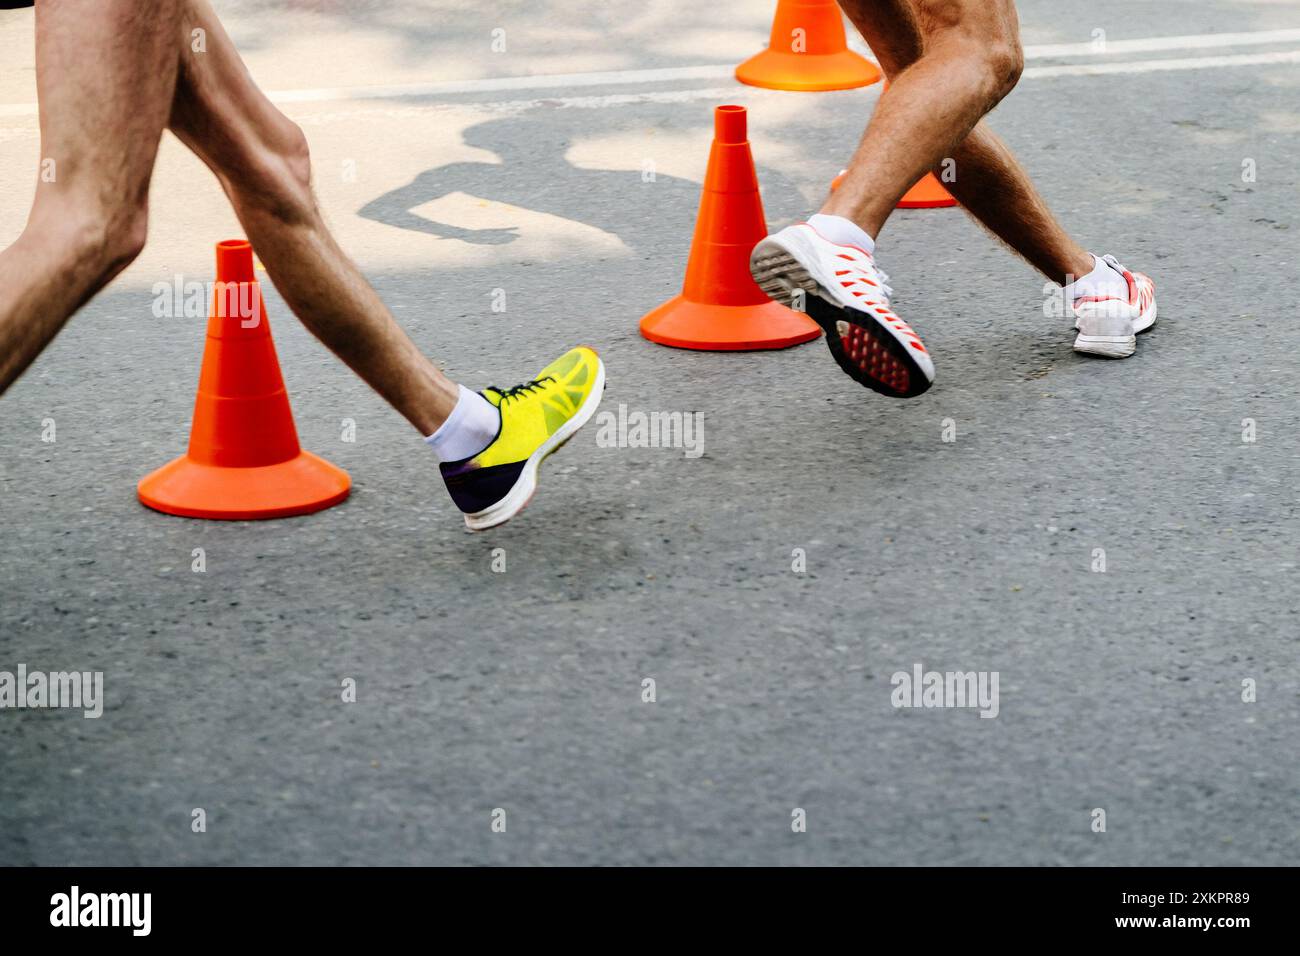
x: 1108, y: 325
x: 848, y: 297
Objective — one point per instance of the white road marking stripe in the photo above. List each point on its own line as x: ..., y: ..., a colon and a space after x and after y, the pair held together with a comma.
x: 1159, y: 66
x: 488, y: 85
x: 740, y: 93
x: 1201, y: 41
x: 512, y: 83
x: 726, y: 71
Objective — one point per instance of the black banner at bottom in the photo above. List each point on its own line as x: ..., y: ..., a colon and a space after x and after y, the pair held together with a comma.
x: 342, y: 905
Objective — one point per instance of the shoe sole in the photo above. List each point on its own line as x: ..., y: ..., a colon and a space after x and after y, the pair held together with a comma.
x: 862, y: 345
x: 1116, y: 346
x: 517, y: 499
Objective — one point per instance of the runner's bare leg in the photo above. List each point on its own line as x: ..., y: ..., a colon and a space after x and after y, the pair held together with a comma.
x: 990, y: 183
x: 105, y: 75
x: 262, y: 162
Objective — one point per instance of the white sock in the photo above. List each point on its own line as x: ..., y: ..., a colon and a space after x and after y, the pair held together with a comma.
x: 846, y: 232
x: 1102, y: 281
x: 472, y: 425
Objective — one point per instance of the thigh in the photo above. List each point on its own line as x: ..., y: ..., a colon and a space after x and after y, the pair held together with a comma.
x: 898, y: 31
x: 105, y: 77
x: 979, y: 20
x: 891, y: 29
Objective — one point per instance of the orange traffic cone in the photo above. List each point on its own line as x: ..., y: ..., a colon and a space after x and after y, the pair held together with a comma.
x: 244, y: 460
x: 721, y: 307
x: 807, y: 51
x: 928, y: 193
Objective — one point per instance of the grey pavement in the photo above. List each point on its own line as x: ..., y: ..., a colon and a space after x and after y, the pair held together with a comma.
x: 522, y: 690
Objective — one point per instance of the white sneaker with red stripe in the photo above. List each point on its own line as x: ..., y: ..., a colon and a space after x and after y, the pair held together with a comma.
x: 1109, y: 325
x: 841, y: 289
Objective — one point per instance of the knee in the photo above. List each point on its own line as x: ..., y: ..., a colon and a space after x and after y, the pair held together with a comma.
x: 125, y: 235
x: 983, y: 45
x: 294, y: 153
x: 990, y: 66
x: 96, y: 240
x: 1004, y: 62
x: 116, y: 236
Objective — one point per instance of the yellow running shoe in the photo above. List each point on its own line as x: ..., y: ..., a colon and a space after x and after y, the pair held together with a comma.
x: 537, y: 417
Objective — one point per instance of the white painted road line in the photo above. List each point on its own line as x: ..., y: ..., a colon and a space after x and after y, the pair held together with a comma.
x: 568, y: 81
x: 1199, y: 41
x: 549, y: 81
x: 727, y: 70
x: 1160, y: 66
x: 747, y: 94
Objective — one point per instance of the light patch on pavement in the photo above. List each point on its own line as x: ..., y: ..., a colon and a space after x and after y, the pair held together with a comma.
x: 541, y: 237
x: 1273, y: 121
x: 1133, y: 199
x: 677, y: 152
x: 707, y: 43
x: 1213, y: 136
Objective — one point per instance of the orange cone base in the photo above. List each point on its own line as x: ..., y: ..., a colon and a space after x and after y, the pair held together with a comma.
x: 298, y: 486
x: 727, y: 328
x: 807, y: 72
x: 928, y: 193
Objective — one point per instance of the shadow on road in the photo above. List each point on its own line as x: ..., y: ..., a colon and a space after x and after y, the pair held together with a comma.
x: 535, y: 174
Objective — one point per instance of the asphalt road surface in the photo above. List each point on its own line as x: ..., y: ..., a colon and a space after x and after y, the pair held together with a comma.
x: 826, y: 539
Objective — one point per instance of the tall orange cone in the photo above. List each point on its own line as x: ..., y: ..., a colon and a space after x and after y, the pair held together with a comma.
x: 721, y: 307
x: 244, y: 460
x: 807, y: 51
